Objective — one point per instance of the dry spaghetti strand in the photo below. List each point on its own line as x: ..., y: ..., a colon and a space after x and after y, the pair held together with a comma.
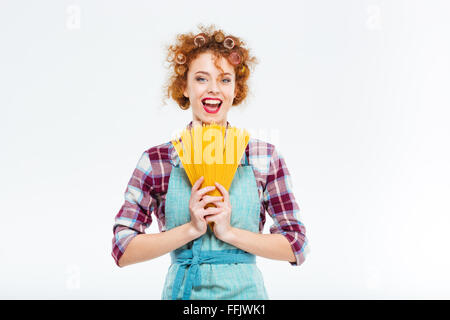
x: 212, y: 151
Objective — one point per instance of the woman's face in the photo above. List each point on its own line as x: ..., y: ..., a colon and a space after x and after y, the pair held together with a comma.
x: 210, y: 92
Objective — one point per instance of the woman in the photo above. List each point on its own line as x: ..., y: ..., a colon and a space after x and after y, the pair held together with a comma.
x: 210, y: 76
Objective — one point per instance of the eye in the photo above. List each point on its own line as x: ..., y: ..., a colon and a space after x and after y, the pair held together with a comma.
x: 199, y: 78
x: 228, y: 80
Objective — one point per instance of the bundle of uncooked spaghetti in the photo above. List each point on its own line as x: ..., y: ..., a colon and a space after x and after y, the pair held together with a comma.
x: 212, y: 151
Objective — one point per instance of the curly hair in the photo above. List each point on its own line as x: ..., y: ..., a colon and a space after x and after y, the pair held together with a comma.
x: 215, y: 43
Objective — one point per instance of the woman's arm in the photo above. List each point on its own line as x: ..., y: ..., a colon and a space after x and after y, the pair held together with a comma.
x: 287, y: 239
x: 272, y: 246
x: 149, y: 246
x: 280, y: 203
x: 144, y: 247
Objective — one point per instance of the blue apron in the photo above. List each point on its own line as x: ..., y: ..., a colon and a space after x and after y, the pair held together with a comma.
x: 208, y: 268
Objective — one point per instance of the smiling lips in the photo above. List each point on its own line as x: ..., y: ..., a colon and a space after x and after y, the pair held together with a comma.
x: 211, y: 105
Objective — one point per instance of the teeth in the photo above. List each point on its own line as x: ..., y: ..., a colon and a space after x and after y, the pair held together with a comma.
x: 211, y: 101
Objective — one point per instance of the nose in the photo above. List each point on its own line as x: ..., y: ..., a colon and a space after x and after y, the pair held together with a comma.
x: 213, y: 88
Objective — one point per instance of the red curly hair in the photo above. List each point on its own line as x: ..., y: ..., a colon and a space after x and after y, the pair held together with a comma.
x: 214, y: 43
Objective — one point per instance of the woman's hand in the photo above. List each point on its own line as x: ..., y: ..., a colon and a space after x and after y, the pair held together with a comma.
x: 222, y: 215
x: 199, y: 199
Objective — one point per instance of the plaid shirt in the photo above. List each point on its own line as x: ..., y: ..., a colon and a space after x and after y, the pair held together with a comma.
x: 147, y: 188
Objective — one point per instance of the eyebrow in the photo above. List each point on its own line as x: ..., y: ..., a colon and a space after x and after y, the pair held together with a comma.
x: 226, y: 73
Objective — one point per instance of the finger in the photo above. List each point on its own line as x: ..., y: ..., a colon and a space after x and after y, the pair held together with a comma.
x: 197, y: 184
x: 205, y: 190
x: 212, y: 211
x: 224, y: 191
x: 219, y: 204
x: 207, y: 200
x: 211, y: 218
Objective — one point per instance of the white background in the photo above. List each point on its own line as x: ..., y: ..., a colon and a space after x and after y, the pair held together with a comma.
x: 355, y: 94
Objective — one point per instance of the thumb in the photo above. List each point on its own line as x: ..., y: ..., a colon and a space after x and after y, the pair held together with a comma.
x: 210, y: 218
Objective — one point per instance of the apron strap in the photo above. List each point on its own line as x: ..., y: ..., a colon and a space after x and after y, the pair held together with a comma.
x: 191, y: 259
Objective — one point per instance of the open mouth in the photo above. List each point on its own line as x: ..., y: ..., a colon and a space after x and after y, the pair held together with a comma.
x: 211, y: 105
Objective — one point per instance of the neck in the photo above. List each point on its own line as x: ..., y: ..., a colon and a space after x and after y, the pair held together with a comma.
x: 196, y: 122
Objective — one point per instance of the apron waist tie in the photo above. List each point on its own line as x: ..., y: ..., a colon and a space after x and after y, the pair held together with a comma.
x: 191, y: 259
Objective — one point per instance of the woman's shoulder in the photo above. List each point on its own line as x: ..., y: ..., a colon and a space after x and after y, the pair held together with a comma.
x: 259, y: 154
x: 160, y: 156
x: 160, y: 152
x: 258, y: 147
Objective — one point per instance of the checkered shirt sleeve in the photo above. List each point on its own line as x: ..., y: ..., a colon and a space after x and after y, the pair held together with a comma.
x: 280, y: 203
x: 135, y: 214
